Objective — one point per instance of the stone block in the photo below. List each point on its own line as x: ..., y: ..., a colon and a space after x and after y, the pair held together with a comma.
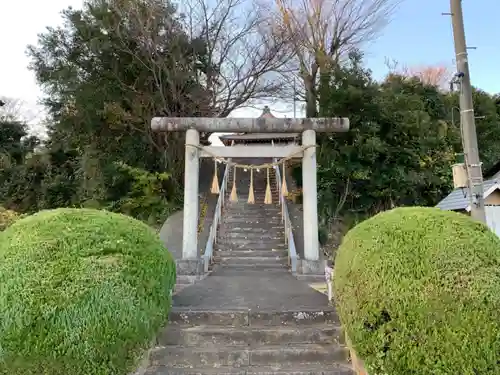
x: 311, y: 267
x: 178, y: 357
x: 215, y: 318
x: 189, y: 267
x: 357, y: 363
x: 218, y: 336
x: 290, y: 357
x: 293, y: 318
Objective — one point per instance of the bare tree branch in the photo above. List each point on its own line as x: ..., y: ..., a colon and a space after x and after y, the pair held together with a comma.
x: 245, y: 55
x: 322, y: 32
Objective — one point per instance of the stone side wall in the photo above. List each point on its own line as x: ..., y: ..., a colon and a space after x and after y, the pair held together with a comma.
x: 172, y: 229
x: 357, y: 363
x: 296, y: 214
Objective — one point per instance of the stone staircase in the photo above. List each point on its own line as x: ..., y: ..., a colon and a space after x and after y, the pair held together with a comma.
x: 251, y: 236
x: 251, y: 343
x: 251, y: 316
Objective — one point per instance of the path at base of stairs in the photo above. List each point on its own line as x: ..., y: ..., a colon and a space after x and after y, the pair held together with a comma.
x: 233, y: 288
x: 250, y: 322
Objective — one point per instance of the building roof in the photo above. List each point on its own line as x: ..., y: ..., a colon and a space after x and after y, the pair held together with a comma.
x: 266, y: 113
x: 459, y: 200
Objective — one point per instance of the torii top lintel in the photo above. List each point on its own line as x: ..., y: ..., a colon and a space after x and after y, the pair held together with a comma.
x: 249, y: 125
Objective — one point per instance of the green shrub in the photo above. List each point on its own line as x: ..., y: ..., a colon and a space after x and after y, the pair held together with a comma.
x: 140, y: 194
x: 7, y: 218
x: 418, y: 292
x: 83, y: 292
x: 323, y: 235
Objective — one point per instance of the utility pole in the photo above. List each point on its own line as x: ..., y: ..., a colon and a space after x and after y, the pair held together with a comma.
x: 469, y: 136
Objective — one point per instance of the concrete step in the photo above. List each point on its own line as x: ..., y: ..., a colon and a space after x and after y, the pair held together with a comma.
x: 256, y: 236
x: 239, y: 217
x: 241, y: 211
x: 262, y: 191
x: 311, y: 278
x: 243, y: 263
x: 251, y: 206
x: 242, y: 243
x: 246, y: 271
x: 242, y: 218
x: 259, y: 186
x: 252, y: 260
x: 259, y: 230
x: 230, y: 244
x: 238, y: 271
x: 187, y: 279
x: 216, y: 337
x: 237, y: 214
x: 254, y: 318
x: 329, y: 369
x: 250, y: 253
x: 273, y: 356
x: 265, y: 228
x: 230, y: 222
x: 259, y: 199
x: 256, y: 192
x: 184, y: 281
x: 254, y: 209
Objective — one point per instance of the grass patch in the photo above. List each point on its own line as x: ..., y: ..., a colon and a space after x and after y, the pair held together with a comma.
x: 418, y: 292
x: 83, y: 292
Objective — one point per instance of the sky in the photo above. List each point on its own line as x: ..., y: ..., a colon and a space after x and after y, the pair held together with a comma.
x: 418, y: 35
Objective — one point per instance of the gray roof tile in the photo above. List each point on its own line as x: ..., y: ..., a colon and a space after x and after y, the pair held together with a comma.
x: 458, y: 199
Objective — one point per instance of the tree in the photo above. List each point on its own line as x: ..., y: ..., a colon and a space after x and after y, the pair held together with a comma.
x: 105, y: 80
x: 10, y: 109
x: 101, y: 97
x: 323, y: 32
x: 398, y: 151
x: 438, y: 75
x: 15, y: 140
x: 237, y: 53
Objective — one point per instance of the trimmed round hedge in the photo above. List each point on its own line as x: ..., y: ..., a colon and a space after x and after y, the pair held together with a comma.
x: 418, y: 292
x: 82, y: 292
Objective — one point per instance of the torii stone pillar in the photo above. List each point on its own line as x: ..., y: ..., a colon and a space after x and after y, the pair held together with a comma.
x: 193, y: 125
x: 191, y: 199
x: 310, y: 196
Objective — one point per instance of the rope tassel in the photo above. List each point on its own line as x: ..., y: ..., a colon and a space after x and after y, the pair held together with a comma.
x: 268, y: 198
x: 234, y: 194
x: 215, y: 181
x: 251, y: 196
x: 284, y: 188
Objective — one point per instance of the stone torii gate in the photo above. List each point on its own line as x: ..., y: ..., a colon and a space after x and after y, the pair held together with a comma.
x: 194, y: 125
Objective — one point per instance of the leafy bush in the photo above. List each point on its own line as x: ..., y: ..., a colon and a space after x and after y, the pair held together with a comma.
x: 143, y: 197
x: 418, y: 291
x: 7, y: 218
x: 83, y: 293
